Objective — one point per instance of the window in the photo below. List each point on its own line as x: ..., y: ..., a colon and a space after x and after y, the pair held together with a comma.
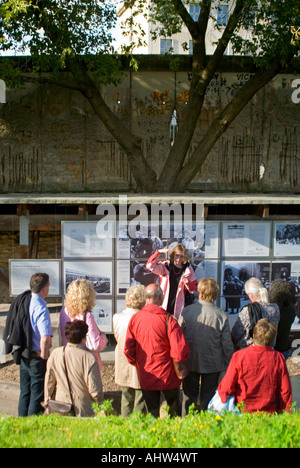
x: 165, y: 46
x: 222, y: 15
x: 195, y: 12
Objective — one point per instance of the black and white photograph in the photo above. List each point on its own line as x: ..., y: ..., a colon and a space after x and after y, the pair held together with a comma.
x: 81, y: 240
x: 98, y: 273
x: 200, y: 240
x: 287, y: 240
x: 102, y: 313
x: 234, y: 277
x: 287, y: 271
x: 142, y: 245
x: 206, y: 269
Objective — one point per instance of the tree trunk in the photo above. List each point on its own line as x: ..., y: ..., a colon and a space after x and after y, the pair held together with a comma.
x: 221, y: 123
x: 143, y: 173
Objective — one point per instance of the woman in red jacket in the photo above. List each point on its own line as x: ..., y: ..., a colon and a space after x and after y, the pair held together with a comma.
x: 257, y: 376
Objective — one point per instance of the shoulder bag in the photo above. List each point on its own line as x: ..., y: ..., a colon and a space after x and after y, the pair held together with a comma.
x: 181, y: 368
x: 59, y: 407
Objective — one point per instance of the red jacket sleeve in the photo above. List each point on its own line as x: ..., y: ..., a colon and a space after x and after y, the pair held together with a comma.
x: 285, y: 390
x: 179, y: 349
x: 130, y: 345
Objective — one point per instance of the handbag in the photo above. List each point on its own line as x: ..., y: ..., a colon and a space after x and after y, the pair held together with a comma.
x: 181, y: 368
x: 59, y: 407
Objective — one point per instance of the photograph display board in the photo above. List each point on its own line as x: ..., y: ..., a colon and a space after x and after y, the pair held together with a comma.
x: 86, y: 255
x: 234, y: 277
x: 98, y: 273
x: 20, y: 272
x: 102, y: 313
x: 246, y: 239
x: 229, y: 252
x: 287, y: 240
x: 80, y: 240
x: 201, y: 242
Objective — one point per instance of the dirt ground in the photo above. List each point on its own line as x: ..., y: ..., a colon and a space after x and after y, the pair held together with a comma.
x: 10, y: 373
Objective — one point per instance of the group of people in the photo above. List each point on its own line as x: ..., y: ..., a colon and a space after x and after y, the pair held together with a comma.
x: 46, y: 376
x: 162, y: 327
x: 170, y: 327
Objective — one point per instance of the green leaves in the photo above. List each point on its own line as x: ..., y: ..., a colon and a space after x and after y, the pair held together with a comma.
x: 56, y: 28
x: 264, y: 29
x: 197, y: 430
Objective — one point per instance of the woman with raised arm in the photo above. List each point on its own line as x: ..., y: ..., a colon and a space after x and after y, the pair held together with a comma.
x: 176, y: 277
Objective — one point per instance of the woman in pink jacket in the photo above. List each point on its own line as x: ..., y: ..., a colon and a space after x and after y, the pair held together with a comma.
x: 79, y: 303
x: 177, y: 277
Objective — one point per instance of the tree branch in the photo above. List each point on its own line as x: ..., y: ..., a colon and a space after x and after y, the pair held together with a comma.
x: 225, y: 39
x: 221, y: 123
x: 200, y: 81
x: 186, y: 17
x: 143, y: 173
x: 51, y: 82
x: 199, y: 41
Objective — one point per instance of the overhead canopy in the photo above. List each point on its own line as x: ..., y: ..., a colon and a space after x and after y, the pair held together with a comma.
x: 202, y: 198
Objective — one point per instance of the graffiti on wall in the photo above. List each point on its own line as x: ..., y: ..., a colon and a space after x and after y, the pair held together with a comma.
x: 20, y: 169
x: 39, y: 133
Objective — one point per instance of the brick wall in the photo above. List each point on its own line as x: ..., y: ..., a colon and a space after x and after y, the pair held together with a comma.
x: 52, y: 142
x: 49, y: 247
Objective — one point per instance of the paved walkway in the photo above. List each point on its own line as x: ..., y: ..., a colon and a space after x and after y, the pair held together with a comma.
x: 9, y: 391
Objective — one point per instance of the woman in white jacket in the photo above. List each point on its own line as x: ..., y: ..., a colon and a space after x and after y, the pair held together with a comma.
x: 125, y: 374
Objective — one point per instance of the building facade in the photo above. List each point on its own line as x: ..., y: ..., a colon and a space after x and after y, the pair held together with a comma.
x: 181, y: 43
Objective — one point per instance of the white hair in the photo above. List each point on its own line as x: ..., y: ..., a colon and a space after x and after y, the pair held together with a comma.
x: 254, y: 286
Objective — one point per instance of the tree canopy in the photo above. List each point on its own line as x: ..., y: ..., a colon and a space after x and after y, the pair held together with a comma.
x: 77, y: 35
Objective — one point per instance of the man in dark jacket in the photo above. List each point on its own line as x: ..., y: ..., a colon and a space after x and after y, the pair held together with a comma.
x: 18, y: 331
x: 28, y: 336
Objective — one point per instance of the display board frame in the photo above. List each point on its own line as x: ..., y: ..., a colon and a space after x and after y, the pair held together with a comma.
x: 87, y: 255
x: 21, y: 270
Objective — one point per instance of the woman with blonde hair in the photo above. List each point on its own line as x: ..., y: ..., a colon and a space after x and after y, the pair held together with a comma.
x: 259, y: 308
x: 125, y: 374
x: 176, y: 277
x: 79, y: 303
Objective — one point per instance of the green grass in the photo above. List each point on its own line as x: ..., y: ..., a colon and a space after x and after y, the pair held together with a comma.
x: 139, y: 431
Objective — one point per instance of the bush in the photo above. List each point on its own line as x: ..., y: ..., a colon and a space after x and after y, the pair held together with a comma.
x: 197, y: 430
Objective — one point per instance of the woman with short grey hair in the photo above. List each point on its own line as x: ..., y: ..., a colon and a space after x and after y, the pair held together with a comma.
x: 259, y: 308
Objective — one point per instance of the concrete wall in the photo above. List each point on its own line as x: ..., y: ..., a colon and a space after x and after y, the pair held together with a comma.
x: 51, y: 141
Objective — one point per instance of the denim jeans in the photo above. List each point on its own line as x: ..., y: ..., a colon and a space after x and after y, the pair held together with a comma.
x: 32, y: 377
